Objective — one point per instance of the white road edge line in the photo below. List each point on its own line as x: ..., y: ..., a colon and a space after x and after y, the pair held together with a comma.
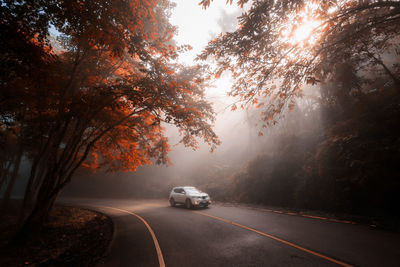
x: 277, y: 239
x: 158, y: 249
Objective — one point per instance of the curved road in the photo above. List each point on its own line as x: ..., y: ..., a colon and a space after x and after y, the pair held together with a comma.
x: 150, y: 233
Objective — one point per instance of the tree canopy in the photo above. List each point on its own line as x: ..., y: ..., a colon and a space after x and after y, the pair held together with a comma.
x: 91, y: 83
x: 279, y: 46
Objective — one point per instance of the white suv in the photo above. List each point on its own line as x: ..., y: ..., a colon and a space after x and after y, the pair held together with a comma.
x: 190, y: 196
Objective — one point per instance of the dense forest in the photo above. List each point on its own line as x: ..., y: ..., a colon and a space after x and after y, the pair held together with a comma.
x: 349, y: 166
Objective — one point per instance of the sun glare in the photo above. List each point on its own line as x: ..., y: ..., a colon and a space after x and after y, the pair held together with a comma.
x: 304, y: 31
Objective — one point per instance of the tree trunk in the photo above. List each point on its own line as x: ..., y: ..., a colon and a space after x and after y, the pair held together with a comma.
x: 13, y: 178
x: 40, y: 212
x: 28, y: 191
x: 34, y: 221
x: 4, y: 173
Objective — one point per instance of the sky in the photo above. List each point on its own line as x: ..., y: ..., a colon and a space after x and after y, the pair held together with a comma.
x: 196, y: 27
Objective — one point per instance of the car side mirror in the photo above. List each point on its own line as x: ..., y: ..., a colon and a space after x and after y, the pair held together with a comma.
x: 183, y: 192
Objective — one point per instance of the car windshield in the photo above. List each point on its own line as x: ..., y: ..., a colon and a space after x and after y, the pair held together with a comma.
x: 192, y: 190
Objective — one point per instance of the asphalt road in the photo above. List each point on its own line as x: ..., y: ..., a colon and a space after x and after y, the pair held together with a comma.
x: 150, y: 233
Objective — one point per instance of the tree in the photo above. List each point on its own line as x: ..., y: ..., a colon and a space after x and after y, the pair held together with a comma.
x: 281, y: 45
x: 97, y: 93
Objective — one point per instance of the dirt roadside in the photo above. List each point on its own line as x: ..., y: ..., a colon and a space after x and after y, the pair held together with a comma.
x: 72, y: 237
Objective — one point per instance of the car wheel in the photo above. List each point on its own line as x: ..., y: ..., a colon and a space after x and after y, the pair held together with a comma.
x: 188, y: 204
x: 172, y: 202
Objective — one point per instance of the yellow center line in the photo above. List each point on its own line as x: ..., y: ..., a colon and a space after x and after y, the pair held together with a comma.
x: 158, y: 249
x: 314, y: 217
x: 277, y: 211
x: 277, y: 239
